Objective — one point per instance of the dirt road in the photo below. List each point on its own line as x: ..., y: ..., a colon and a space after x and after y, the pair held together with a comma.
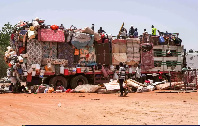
x: 90, y: 108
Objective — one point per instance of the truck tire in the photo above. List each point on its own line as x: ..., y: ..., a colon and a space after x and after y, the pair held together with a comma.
x: 78, y: 80
x: 58, y: 80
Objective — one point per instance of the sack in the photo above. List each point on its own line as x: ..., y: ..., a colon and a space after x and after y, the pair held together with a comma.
x: 50, y: 35
x: 88, y: 31
x: 97, y: 36
x: 161, y: 39
x: 119, y: 57
x: 122, y: 47
x: 115, y: 47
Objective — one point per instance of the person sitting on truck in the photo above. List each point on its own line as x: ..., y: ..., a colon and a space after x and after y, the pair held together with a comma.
x: 131, y: 31
x: 136, y: 33
x: 123, y: 33
x: 122, y: 78
x: 100, y: 31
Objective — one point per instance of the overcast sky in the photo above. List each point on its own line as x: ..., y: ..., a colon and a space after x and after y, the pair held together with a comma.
x: 166, y: 15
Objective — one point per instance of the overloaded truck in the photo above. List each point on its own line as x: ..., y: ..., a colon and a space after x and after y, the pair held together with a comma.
x: 55, y: 55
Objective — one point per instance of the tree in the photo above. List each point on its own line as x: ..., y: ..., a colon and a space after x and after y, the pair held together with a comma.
x: 4, y: 42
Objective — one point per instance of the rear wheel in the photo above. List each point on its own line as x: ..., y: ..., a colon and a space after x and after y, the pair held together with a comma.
x: 78, y: 80
x: 58, y: 81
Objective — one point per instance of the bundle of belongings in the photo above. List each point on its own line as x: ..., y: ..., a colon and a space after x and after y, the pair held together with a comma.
x: 83, y: 42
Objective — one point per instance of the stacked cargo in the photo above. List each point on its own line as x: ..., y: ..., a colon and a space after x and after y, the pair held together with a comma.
x: 118, y: 51
x: 133, y: 53
x: 38, y: 49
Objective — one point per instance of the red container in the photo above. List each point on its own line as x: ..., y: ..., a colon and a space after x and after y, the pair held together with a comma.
x: 78, y: 70
x: 66, y: 72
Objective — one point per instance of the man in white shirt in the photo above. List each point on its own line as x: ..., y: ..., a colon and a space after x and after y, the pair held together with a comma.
x: 138, y: 73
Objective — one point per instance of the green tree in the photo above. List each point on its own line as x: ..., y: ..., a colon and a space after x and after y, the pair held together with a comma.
x: 5, y: 33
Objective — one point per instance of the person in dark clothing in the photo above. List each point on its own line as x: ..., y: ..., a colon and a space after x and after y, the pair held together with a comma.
x: 136, y: 33
x: 131, y: 31
x: 122, y: 78
x: 92, y: 27
x: 100, y: 30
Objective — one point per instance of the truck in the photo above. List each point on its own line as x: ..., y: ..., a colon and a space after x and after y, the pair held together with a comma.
x: 54, y: 55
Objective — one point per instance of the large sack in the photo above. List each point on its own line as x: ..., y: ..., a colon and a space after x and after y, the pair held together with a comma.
x: 135, y: 40
x: 115, y: 47
x: 122, y: 47
x: 119, y: 57
x: 129, y: 50
x: 87, y: 88
x: 97, y: 36
x: 88, y: 31
x: 81, y: 37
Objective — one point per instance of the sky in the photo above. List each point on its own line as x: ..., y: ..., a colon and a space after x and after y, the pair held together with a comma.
x: 174, y: 16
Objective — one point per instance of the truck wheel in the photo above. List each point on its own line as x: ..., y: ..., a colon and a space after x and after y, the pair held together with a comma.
x: 78, y: 80
x: 57, y: 81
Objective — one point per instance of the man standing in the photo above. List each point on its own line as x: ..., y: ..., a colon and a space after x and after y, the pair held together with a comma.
x: 138, y: 73
x: 122, y: 78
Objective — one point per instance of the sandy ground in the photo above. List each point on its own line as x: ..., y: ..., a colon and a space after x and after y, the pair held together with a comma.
x: 148, y: 108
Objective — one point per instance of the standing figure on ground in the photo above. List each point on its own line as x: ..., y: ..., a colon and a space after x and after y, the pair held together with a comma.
x: 122, y: 78
x: 138, y: 73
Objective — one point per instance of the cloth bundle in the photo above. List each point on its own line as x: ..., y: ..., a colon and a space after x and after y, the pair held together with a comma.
x: 80, y: 40
x: 66, y: 51
x: 147, y: 59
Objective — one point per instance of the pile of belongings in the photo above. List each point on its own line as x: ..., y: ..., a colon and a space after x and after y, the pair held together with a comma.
x: 139, y: 86
x: 47, y: 89
x: 165, y: 86
x: 112, y: 85
x: 87, y: 88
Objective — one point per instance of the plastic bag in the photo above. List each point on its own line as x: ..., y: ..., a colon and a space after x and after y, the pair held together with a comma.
x: 161, y: 39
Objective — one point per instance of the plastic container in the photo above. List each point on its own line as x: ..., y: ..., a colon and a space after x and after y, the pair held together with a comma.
x: 73, y: 69
x: 66, y: 71
x: 37, y: 67
x: 78, y: 70
x: 62, y: 69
